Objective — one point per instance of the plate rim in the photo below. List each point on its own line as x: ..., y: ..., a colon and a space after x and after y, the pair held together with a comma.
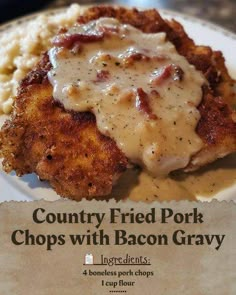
x: 229, y: 33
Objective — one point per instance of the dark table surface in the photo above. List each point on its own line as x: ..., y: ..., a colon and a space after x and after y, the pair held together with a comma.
x: 221, y: 12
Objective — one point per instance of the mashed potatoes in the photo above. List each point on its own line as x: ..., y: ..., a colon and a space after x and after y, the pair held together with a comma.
x: 21, y: 47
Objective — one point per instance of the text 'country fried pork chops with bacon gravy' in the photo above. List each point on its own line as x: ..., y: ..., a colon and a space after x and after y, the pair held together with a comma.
x: 121, y: 90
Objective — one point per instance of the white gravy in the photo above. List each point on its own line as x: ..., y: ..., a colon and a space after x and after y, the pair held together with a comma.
x: 143, y: 93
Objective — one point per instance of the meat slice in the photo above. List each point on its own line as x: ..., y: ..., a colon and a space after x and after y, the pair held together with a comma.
x: 67, y: 149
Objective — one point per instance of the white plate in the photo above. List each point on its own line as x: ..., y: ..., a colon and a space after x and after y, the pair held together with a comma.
x: 30, y: 188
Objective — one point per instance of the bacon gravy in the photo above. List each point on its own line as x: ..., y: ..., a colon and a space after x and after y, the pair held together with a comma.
x: 145, y: 96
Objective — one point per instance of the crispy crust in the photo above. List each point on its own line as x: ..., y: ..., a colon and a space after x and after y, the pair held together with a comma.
x: 62, y: 147
x: 66, y: 148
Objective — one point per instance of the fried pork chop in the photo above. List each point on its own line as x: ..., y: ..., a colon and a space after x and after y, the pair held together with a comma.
x: 67, y: 149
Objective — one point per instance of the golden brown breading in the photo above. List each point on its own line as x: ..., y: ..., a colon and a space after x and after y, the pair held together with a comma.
x: 62, y: 147
x: 67, y: 149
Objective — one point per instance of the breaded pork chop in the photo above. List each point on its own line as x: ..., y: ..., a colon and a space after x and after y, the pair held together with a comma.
x: 67, y: 149
x: 64, y: 148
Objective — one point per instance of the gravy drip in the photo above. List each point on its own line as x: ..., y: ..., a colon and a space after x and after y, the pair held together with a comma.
x: 207, y: 182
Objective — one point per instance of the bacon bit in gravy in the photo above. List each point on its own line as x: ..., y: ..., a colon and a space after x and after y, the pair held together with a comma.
x: 68, y: 40
x: 136, y: 57
x: 139, y: 56
x: 102, y: 76
x: 161, y: 75
x: 142, y: 104
x: 164, y: 73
